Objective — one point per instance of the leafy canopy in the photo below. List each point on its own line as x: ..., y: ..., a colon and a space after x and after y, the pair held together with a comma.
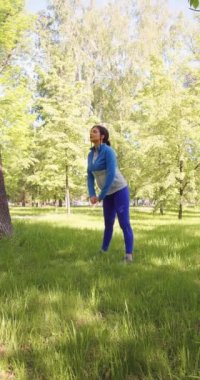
x: 194, y: 3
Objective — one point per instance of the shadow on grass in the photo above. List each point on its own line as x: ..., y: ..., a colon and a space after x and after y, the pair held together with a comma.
x: 95, y: 316
x: 136, y: 212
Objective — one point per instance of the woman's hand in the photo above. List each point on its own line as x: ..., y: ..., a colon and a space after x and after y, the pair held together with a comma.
x: 94, y: 200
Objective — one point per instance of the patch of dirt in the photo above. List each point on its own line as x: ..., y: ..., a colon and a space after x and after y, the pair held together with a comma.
x: 7, y: 375
x: 2, y: 350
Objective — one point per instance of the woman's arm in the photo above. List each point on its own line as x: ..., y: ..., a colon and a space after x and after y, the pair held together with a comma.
x: 111, y: 164
x: 90, y: 182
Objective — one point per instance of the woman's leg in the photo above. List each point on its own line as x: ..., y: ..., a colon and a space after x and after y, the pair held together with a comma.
x: 121, y: 201
x: 109, y: 220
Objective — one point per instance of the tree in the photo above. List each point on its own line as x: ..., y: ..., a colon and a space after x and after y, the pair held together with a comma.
x: 169, y: 136
x: 5, y: 220
x: 12, y: 24
x: 16, y: 132
x: 124, y: 65
x: 63, y: 105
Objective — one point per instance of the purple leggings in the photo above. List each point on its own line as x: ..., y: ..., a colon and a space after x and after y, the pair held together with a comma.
x: 117, y: 203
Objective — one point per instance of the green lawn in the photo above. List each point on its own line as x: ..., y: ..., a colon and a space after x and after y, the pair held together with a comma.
x: 65, y: 315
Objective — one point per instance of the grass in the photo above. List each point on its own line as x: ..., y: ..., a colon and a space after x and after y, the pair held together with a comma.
x: 65, y: 316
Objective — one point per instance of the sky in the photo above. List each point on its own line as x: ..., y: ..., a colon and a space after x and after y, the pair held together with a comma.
x: 175, y: 5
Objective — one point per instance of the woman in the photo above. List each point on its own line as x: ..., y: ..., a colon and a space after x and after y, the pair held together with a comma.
x: 102, y: 167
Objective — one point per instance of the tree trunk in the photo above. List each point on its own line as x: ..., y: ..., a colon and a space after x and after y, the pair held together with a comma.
x: 180, y: 211
x: 23, y: 199
x: 5, y: 220
x: 67, y: 198
x: 161, y: 195
x: 60, y: 203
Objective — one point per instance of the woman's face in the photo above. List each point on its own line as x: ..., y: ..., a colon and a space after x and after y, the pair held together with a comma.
x: 95, y: 136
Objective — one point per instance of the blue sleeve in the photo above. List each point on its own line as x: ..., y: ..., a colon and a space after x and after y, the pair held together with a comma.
x: 110, y: 172
x: 90, y: 183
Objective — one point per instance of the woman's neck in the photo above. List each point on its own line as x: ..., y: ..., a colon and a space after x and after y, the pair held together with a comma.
x: 97, y: 145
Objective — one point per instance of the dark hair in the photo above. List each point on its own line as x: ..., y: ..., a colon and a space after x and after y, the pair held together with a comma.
x: 103, y: 132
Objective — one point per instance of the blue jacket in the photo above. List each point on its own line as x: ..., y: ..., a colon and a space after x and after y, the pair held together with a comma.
x: 106, y: 160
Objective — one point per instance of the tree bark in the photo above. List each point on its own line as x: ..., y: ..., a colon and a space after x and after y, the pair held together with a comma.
x: 67, y: 198
x: 5, y: 220
x: 180, y: 211
x: 23, y: 199
x: 161, y: 193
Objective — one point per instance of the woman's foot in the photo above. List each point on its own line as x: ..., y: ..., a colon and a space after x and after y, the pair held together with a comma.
x: 128, y: 258
x: 101, y: 251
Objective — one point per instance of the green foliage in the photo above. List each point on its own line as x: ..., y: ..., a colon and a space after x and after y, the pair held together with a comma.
x: 194, y: 3
x: 165, y: 136
x: 13, y: 22
x: 130, y: 66
x: 63, y: 106
x: 15, y: 97
x: 15, y: 131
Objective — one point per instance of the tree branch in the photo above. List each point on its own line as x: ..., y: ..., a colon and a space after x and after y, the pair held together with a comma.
x: 178, y: 179
x: 5, y: 63
x: 197, y: 166
x: 186, y: 183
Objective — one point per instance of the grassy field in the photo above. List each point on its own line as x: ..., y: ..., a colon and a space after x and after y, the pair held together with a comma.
x: 65, y: 315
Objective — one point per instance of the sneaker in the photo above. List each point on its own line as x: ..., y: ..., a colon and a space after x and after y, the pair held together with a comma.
x: 125, y: 260
x: 101, y: 252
